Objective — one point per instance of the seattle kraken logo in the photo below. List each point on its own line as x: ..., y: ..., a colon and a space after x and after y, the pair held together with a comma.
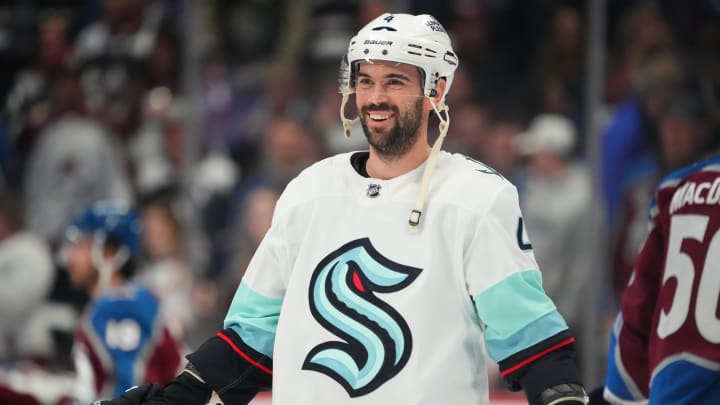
x: 376, y: 339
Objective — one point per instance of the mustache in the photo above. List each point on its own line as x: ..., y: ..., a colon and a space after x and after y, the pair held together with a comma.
x: 379, y: 107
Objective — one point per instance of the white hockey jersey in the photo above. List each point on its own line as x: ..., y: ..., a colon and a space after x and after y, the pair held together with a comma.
x: 355, y: 308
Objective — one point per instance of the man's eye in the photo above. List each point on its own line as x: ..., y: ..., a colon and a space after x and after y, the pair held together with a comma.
x: 395, y: 83
x: 365, y: 82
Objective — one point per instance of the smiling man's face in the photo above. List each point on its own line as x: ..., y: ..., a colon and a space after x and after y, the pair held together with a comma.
x: 390, y: 105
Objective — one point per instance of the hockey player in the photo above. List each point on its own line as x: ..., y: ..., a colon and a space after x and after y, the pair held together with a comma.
x: 121, y: 340
x: 664, y: 346
x: 387, y: 273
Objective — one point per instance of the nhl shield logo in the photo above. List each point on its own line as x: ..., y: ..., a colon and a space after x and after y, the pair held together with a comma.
x: 373, y: 190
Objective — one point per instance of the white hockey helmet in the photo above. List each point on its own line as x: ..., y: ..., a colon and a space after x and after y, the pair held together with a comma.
x: 415, y: 40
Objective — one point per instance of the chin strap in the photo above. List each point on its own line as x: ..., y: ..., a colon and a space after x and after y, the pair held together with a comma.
x: 347, y: 123
x: 430, y: 164
x: 106, y: 265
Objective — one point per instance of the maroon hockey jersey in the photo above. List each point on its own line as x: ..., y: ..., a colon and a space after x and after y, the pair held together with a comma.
x: 666, y: 341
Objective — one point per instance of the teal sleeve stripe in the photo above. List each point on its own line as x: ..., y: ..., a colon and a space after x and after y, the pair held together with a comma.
x: 254, y: 318
x: 549, y: 325
x: 517, y: 314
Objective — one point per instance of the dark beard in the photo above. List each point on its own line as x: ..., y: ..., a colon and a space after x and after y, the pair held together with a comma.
x: 401, y: 137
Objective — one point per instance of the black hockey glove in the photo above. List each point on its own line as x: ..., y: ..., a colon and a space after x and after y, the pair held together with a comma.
x: 185, y: 389
x: 562, y: 394
x: 146, y: 394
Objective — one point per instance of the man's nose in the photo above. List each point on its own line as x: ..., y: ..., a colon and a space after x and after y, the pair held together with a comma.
x: 377, y: 95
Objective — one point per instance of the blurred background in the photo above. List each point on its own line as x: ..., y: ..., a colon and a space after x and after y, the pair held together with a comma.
x: 200, y: 112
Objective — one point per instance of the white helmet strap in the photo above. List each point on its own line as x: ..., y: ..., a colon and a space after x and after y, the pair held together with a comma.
x: 430, y: 164
x: 107, y: 265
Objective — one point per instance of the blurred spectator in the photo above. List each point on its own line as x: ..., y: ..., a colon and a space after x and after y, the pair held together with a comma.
x: 641, y: 33
x: 684, y: 136
x: 29, y: 98
x: 167, y: 271
x: 225, y: 107
x: 553, y: 96
x: 288, y: 148
x: 684, y: 130
x: 27, y: 273
x: 631, y: 136
x: 249, y: 231
x: 465, y: 91
x: 161, y: 69
x: 18, y: 28
x: 255, y: 33
x: 559, y: 208
x: 160, y: 103
x: 29, y: 371
x: 74, y: 162
x: 472, y: 35
x: 65, y: 97
x: 498, y: 146
x: 563, y: 54
x: 333, y: 26
x: 110, y: 54
x: 469, y: 128
x: 483, y: 66
x: 281, y: 97
x: 560, y: 66
x: 156, y: 150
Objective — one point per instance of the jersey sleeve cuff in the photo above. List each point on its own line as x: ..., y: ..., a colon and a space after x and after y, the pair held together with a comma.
x: 232, y: 368
x: 543, y: 365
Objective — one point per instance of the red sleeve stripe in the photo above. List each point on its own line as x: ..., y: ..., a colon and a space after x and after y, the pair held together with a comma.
x: 537, y: 356
x: 242, y: 354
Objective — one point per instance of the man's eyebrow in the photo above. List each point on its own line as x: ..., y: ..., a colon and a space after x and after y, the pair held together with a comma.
x: 397, y: 76
x: 388, y: 76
